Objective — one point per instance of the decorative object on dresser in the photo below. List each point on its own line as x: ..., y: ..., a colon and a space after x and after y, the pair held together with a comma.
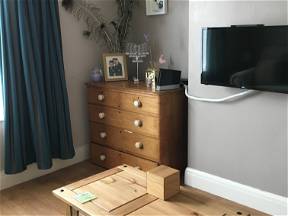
x: 96, y: 75
x: 131, y: 124
x: 152, y: 72
x: 137, y: 52
x: 115, y: 67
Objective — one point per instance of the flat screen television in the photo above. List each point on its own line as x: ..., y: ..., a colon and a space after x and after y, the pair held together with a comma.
x: 250, y: 57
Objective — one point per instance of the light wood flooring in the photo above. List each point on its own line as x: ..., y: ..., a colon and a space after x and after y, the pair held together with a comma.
x: 35, y: 197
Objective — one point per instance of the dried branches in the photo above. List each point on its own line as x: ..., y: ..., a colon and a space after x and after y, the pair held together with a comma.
x: 98, y: 26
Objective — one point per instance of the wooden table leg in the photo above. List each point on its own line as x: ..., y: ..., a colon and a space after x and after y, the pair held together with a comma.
x: 70, y: 211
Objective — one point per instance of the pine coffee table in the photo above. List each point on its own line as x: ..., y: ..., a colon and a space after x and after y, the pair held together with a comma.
x: 123, y: 191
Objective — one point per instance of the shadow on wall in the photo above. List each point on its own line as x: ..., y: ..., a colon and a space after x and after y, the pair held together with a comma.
x: 169, y: 35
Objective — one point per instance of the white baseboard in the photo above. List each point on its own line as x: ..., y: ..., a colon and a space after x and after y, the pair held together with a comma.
x: 239, y: 193
x: 6, y: 181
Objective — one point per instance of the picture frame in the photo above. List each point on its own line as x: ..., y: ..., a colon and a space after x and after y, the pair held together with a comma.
x: 156, y: 7
x: 115, y: 66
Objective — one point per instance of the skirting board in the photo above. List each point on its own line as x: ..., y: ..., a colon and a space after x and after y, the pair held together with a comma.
x: 239, y: 193
x: 6, y: 181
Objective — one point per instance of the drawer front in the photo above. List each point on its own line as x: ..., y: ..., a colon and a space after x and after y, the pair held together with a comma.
x: 101, y: 97
x: 135, y: 122
x: 109, y: 158
x: 138, y: 103
x: 126, y: 141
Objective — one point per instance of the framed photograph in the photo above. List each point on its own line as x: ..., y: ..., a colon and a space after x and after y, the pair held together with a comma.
x: 156, y: 7
x: 115, y: 67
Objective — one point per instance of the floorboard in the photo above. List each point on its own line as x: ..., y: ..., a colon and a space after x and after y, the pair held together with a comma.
x: 35, y: 198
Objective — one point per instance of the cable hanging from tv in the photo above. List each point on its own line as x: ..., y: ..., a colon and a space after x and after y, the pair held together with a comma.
x: 219, y: 100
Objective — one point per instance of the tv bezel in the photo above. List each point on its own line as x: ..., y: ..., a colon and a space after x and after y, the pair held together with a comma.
x: 233, y: 86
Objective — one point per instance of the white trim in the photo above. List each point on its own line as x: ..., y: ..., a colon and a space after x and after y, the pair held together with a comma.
x: 239, y: 193
x: 6, y: 181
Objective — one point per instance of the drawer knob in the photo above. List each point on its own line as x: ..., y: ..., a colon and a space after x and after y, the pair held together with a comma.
x: 139, y: 145
x: 101, y: 115
x: 137, y: 103
x: 103, y: 135
x: 102, y: 157
x: 138, y: 123
x: 100, y: 97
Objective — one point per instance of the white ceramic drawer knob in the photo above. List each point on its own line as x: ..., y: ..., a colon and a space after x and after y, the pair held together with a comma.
x: 138, y: 123
x: 100, y: 97
x: 137, y: 103
x: 101, y: 115
x: 103, y: 135
x: 102, y: 157
x: 139, y: 145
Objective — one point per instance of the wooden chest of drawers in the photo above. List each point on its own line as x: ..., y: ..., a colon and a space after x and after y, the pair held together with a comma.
x: 131, y: 124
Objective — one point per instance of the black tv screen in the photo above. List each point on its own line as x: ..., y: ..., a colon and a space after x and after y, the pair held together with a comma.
x: 253, y: 57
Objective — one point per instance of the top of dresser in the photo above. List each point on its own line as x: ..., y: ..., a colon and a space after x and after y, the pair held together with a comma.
x: 130, y: 87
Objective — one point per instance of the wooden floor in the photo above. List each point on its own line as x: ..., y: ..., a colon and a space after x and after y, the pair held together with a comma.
x: 35, y: 197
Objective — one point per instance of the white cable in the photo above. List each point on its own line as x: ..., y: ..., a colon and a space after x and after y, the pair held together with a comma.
x: 218, y: 100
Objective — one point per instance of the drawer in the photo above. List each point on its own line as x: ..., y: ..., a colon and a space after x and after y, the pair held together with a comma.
x: 125, y: 101
x: 138, y: 103
x: 101, y: 97
x: 135, y: 122
x: 109, y: 158
x: 126, y: 141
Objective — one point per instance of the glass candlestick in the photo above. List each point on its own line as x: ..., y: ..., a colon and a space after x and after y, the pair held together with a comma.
x: 137, y: 52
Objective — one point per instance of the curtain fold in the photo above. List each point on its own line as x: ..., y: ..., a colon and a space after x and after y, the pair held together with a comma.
x: 37, y: 120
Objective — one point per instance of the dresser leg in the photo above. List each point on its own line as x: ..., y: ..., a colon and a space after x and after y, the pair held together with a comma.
x: 70, y: 211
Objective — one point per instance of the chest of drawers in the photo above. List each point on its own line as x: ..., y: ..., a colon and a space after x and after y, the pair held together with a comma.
x: 131, y: 124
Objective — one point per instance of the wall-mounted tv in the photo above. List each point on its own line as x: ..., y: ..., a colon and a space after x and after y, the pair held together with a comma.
x: 250, y: 57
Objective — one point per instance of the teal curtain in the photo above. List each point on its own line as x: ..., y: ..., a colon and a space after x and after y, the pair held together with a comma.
x: 37, y: 125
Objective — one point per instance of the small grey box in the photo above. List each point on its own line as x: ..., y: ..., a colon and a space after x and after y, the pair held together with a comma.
x: 168, y: 79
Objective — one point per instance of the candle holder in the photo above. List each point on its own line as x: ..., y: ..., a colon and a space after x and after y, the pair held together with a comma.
x: 137, y: 52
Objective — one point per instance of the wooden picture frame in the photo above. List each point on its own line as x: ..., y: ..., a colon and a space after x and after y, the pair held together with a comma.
x: 115, y: 66
x: 156, y: 7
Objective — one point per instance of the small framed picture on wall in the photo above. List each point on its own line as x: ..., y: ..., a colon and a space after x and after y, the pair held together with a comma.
x: 156, y: 7
x: 115, y: 67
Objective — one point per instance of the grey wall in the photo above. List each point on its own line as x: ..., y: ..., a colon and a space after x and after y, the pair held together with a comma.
x: 244, y: 141
x: 169, y: 33
x: 80, y: 57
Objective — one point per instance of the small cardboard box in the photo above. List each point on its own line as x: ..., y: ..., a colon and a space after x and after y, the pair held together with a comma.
x: 163, y: 182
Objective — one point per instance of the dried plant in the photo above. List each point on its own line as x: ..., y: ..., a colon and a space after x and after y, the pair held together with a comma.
x: 113, y: 32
